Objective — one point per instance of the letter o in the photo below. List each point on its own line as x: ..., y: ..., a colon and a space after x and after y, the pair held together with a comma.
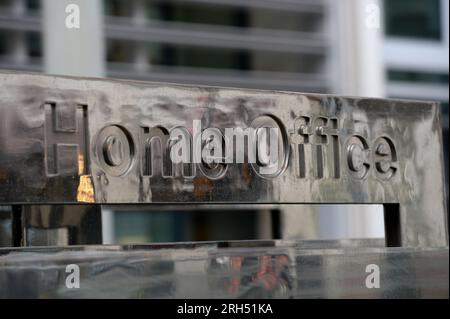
x: 115, y: 150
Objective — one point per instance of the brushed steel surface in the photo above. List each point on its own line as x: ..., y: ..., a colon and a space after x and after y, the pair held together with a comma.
x: 56, y: 147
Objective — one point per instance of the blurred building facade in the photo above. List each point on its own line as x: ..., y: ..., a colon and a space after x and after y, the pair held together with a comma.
x: 392, y: 48
x: 265, y: 44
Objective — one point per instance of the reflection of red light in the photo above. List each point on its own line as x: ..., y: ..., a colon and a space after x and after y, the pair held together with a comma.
x: 266, y: 273
x: 235, y: 282
x: 283, y: 260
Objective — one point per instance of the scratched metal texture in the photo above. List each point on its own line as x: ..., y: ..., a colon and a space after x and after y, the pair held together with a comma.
x: 35, y: 171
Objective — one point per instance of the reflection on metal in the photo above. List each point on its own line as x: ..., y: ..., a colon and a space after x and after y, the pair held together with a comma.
x: 6, y: 227
x: 69, y: 141
x: 277, y: 221
x: 47, y: 237
x: 261, y: 269
x: 334, y: 149
x: 85, y: 192
x: 61, y: 225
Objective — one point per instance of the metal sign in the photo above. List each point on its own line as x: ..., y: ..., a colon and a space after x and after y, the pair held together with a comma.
x: 78, y: 140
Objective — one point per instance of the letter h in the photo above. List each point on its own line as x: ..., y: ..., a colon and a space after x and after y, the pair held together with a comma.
x: 66, y: 139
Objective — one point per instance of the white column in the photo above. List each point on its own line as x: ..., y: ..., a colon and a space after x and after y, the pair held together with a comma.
x: 358, y: 68
x: 73, y: 51
x: 141, y: 63
x: 358, y: 42
x: 18, y: 46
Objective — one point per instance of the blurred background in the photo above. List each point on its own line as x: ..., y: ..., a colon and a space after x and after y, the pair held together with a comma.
x: 391, y: 48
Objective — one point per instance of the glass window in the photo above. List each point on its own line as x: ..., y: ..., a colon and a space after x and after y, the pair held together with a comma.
x: 5, y: 3
x: 33, y: 5
x: 119, y: 51
x: 422, y: 77
x: 117, y: 8
x: 207, y: 14
x: 202, y: 57
x: 3, y: 42
x: 34, y: 42
x: 415, y: 19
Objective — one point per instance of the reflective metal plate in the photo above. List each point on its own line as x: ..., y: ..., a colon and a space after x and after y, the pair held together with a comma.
x: 73, y: 140
x: 272, y: 269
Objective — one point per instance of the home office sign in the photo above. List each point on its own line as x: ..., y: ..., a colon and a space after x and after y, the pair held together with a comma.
x: 86, y: 140
x: 265, y: 145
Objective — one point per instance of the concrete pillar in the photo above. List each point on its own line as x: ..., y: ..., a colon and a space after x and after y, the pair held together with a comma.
x: 73, y: 51
x: 358, y: 67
